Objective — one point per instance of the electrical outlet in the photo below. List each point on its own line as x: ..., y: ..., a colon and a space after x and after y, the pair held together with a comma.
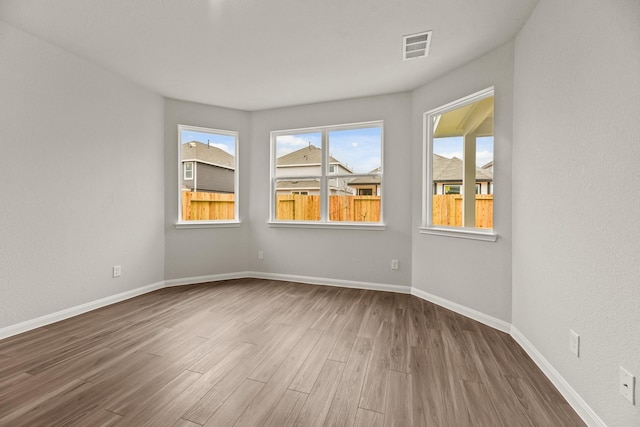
x: 260, y: 255
x: 394, y: 264
x: 574, y: 343
x: 117, y: 270
x: 627, y: 385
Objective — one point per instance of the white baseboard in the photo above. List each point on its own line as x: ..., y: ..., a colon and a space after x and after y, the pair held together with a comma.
x: 573, y: 398
x: 330, y: 282
x: 204, y: 279
x: 494, y: 322
x: 48, y: 319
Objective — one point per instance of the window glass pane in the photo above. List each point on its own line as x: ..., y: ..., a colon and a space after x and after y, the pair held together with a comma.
x: 356, y: 151
x: 318, y: 174
x: 207, y: 188
x: 297, y: 199
x: 465, y: 129
x: 299, y: 154
x: 356, y: 199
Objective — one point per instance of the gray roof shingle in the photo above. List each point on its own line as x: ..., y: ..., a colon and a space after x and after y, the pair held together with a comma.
x: 445, y: 169
x: 195, y: 150
x: 310, y: 155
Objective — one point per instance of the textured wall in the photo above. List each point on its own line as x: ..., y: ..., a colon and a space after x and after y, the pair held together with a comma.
x: 575, y: 204
x: 360, y: 255
x: 468, y: 272
x: 204, y: 251
x: 95, y: 141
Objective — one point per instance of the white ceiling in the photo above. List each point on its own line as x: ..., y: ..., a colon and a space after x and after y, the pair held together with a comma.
x: 259, y: 54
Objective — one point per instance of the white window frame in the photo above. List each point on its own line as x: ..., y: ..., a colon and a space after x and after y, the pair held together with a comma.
x: 184, y: 178
x: 427, y: 226
x: 324, y: 179
x: 236, y: 181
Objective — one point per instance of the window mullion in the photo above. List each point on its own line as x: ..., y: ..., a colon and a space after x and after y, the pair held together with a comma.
x: 324, y: 182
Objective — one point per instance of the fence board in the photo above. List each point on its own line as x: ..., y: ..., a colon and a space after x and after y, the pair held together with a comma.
x: 447, y: 210
x: 199, y: 206
x: 302, y: 207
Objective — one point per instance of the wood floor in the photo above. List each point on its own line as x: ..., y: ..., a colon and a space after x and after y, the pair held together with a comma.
x: 267, y: 353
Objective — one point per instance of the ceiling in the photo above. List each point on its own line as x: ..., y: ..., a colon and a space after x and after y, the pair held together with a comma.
x: 260, y: 54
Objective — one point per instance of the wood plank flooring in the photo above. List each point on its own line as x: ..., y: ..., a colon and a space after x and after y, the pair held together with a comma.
x: 267, y: 353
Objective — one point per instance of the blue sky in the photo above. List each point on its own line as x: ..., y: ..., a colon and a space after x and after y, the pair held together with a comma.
x: 359, y: 149
x: 224, y: 142
x: 452, y: 147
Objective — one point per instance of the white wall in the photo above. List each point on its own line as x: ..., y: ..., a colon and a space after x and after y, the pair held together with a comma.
x: 576, y: 164
x: 81, y: 159
x: 471, y: 273
x: 204, y: 251
x: 358, y: 255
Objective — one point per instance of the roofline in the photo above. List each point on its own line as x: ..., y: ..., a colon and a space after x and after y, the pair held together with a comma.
x: 299, y: 165
x: 208, y: 163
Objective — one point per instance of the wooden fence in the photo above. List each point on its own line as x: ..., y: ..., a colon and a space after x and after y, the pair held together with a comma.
x: 199, y: 206
x: 298, y: 207
x: 447, y: 210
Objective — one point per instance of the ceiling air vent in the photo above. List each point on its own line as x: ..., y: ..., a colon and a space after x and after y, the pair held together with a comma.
x: 416, y: 45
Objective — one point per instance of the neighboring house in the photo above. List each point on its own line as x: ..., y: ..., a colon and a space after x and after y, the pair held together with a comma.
x: 367, y: 185
x: 447, y: 176
x: 306, y: 162
x: 207, y: 168
x: 488, y: 166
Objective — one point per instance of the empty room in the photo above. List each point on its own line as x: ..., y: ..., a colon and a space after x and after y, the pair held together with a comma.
x: 319, y: 213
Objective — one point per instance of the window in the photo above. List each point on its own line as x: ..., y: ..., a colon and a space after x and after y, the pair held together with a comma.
x: 188, y: 171
x: 451, y: 189
x: 318, y: 173
x: 208, y: 184
x: 458, y: 168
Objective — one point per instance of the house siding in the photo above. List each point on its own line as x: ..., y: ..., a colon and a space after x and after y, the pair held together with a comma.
x: 212, y: 178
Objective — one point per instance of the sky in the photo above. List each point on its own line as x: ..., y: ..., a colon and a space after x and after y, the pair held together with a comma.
x: 359, y: 149
x: 223, y: 142
x: 452, y: 147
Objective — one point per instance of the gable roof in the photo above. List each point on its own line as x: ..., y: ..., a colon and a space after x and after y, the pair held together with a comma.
x: 306, y: 156
x: 370, y: 180
x: 195, y: 150
x: 445, y: 169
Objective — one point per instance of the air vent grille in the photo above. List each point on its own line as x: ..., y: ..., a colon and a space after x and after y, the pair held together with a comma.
x: 416, y: 45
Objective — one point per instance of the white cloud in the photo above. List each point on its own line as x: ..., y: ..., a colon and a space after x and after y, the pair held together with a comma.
x: 451, y: 154
x: 286, y: 144
x: 483, y: 157
x: 223, y: 147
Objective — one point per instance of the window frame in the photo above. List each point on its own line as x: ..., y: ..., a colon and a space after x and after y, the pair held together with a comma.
x: 427, y: 226
x: 236, y: 180
x: 184, y: 178
x: 324, y: 178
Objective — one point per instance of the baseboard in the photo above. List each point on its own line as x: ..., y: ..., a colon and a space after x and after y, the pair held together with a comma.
x: 204, y: 279
x: 491, y: 321
x: 585, y: 412
x: 330, y: 282
x: 48, y: 319
x: 572, y: 397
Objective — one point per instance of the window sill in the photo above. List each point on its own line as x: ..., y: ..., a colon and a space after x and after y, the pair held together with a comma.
x: 461, y: 233
x: 207, y: 224
x: 329, y: 225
